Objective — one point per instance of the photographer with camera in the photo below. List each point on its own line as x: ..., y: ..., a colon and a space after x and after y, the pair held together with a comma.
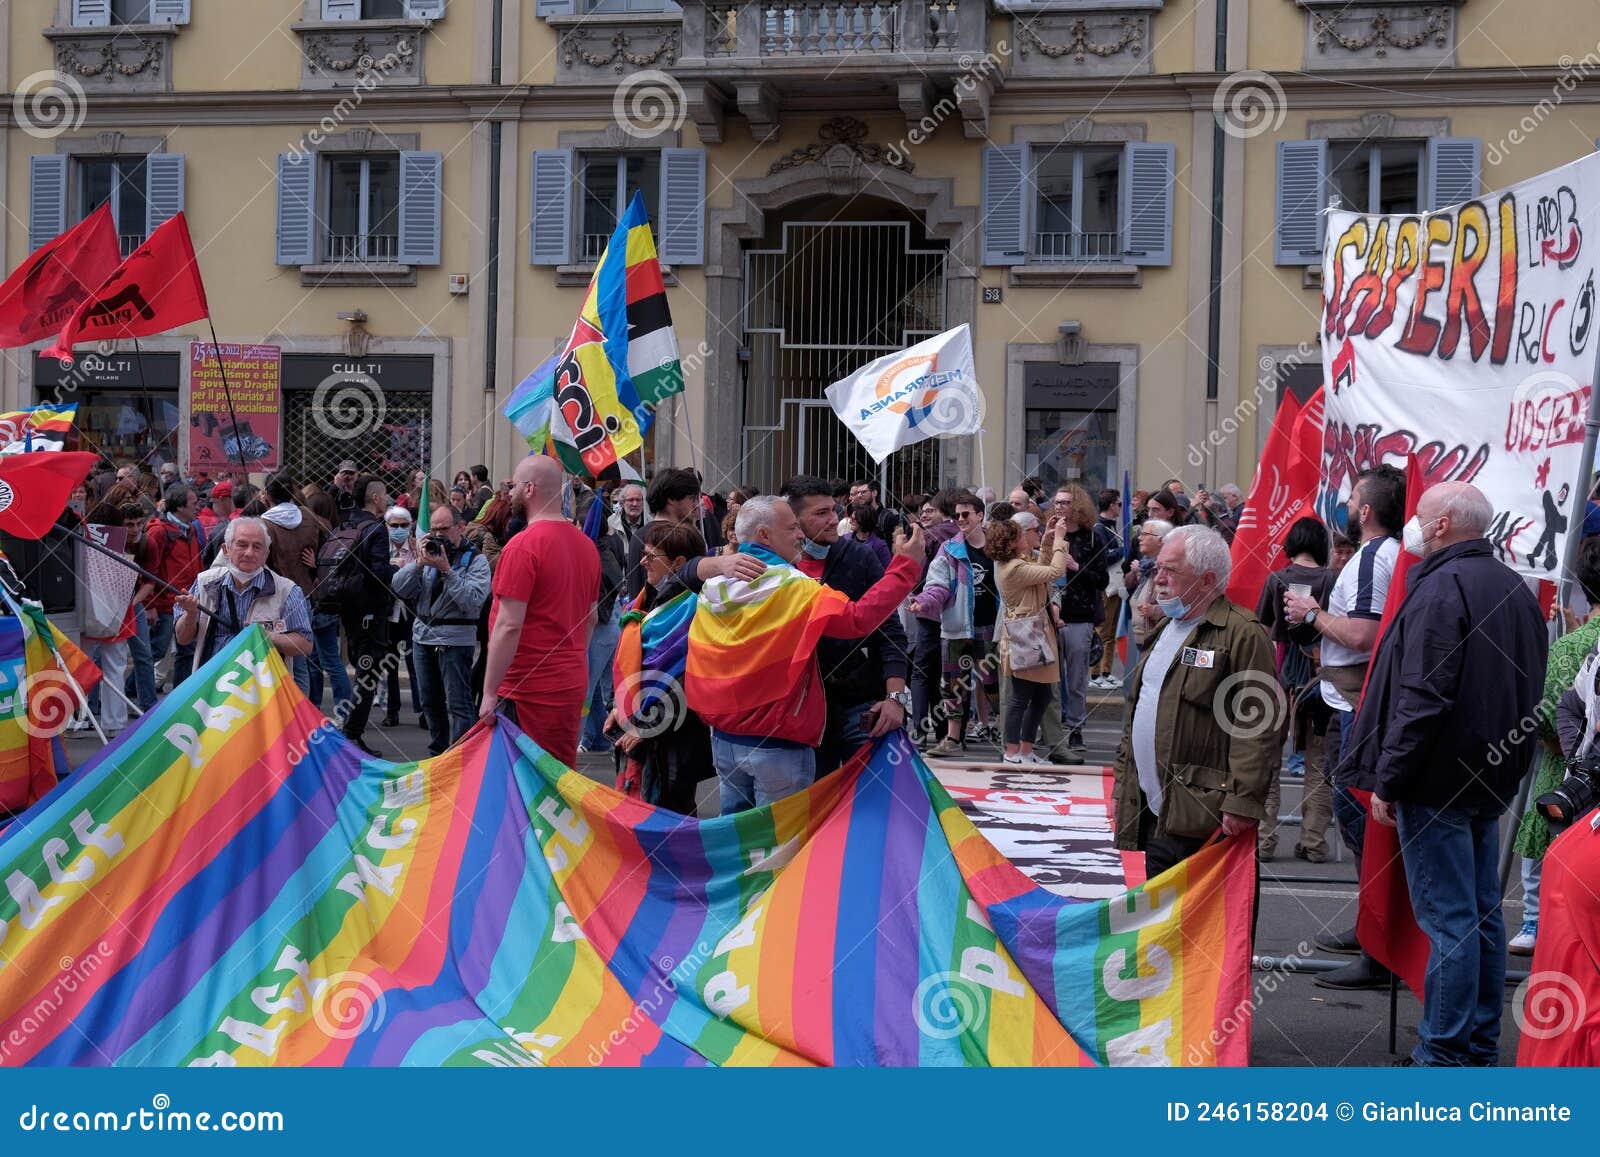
x: 448, y: 583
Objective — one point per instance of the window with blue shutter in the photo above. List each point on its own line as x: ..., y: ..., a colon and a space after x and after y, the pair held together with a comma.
x: 1007, y: 190
x: 297, y: 222
x: 341, y: 9
x: 91, y: 13
x: 425, y: 9
x: 1453, y: 170
x: 164, y: 192
x: 47, y: 198
x: 1302, y: 194
x: 169, y: 11
x: 680, y: 233
x: 550, y: 216
x: 421, y: 207
x: 545, y: 8
x: 1147, y: 180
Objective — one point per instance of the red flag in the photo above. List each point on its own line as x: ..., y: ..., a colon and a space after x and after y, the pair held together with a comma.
x: 1385, y: 923
x: 42, y: 292
x: 1284, y: 491
x: 34, y: 489
x: 157, y: 288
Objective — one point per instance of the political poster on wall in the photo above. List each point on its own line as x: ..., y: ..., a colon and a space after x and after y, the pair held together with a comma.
x: 1467, y: 337
x: 254, y: 373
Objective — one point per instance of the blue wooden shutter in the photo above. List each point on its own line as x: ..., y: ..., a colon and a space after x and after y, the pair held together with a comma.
x: 682, y: 228
x: 425, y: 9
x: 169, y: 11
x: 421, y: 207
x: 550, y: 222
x: 341, y: 9
x: 1302, y: 195
x: 47, y: 198
x: 163, y: 188
x: 1007, y: 189
x: 91, y: 13
x: 1147, y: 180
x: 297, y: 218
x: 1453, y: 166
x: 556, y: 8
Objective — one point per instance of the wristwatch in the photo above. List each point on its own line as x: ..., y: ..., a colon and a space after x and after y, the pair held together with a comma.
x: 1311, y: 616
x: 903, y: 698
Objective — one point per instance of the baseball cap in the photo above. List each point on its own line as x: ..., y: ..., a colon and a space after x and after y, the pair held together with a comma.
x: 346, y: 465
x: 223, y: 489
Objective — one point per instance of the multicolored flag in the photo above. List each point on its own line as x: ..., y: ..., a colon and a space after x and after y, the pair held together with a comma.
x: 42, y: 292
x: 34, y: 489
x: 929, y: 390
x: 234, y: 883
x: 156, y: 289
x: 37, y: 702
x: 38, y: 428
x: 592, y: 403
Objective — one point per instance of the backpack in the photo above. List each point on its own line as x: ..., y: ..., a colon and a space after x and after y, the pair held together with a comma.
x: 341, y: 582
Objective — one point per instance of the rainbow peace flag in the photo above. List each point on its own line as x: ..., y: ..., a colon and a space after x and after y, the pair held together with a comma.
x: 751, y: 642
x: 591, y: 404
x: 38, y: 428
x: 36, y: 704
x: 233, y: 883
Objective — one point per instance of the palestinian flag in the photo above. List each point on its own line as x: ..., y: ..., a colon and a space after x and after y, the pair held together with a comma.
x: 592, y: 404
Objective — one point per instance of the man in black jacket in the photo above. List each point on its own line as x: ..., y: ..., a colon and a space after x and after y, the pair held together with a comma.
x: 864, y: 680
x: 1443, y: 735
x: 366, y: 626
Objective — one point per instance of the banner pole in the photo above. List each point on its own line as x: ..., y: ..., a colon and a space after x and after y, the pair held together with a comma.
x: 983, y: 470
x: 129, y: 563
x: 238, y: 442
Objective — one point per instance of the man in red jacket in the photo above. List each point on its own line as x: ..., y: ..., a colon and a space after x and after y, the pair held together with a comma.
x: 172, y: 550
x: 767, y: 750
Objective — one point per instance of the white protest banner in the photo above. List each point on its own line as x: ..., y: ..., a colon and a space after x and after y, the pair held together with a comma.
x: 926, y: 391
x: 1467, y: 336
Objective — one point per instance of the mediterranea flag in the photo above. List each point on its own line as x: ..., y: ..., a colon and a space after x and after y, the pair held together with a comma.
x: 1386, y: 925
x: 42, y: 292
x: 34, y: 489
x: 1284, y: 491
x: 156, y: 289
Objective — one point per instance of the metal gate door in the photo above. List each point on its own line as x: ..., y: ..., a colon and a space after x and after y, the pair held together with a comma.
x: 832, y: 297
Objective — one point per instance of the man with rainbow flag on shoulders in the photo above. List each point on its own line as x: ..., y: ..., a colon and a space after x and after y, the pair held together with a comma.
x: 752, y: 672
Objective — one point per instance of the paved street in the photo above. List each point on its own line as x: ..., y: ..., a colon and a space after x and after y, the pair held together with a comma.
x: 1296, y: 1023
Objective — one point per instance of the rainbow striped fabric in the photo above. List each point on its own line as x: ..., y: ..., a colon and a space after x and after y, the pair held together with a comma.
x: 36, y: 702
x: 592, y: 404
x: 38, y: 428
x: 752, y: 643
x: 232, y: 883
x: 651, y: 654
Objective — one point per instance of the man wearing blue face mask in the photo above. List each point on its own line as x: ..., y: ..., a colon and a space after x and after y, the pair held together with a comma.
x: 1202, y: 742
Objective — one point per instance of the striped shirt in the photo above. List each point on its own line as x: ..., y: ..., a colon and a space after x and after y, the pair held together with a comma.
x: 1359, y: 593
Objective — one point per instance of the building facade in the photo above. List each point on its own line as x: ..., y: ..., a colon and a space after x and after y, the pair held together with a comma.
x: 406, y: 198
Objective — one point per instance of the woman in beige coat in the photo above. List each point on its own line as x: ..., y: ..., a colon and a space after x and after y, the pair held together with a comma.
x: 1025, y: 588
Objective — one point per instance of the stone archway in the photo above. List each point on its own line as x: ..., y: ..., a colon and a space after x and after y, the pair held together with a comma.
x: 845, y: 167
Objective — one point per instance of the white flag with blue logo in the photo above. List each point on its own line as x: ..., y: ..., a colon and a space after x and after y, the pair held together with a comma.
x: 927, y: 391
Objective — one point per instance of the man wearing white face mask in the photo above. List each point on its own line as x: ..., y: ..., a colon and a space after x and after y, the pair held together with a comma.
x: 244, y: 593
x: 1196, y: 754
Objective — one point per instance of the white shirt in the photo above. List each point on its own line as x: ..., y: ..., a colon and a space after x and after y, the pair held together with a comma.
x: 1358, y: 593
x: 1162, y: 652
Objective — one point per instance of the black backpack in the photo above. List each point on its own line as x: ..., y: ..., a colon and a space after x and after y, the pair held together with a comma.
x: 341, y: 581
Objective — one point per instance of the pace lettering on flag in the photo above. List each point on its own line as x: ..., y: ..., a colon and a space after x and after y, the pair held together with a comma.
x: 156, y: 289
x: 592, y: 404
x: 926, y: 391
x: 1284, y: 491
x: 42, y: 292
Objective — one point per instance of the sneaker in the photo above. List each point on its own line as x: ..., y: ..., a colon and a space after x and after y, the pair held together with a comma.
x: 1070, y: 757
x: 944, y: 748
x: 1112, y: 683
x: 1075, y: 742
x: 1522, y: 943
x: 1100, y: 683
x: 1018, y: 758
x: 1338, y: 941
x: 1360, y: 974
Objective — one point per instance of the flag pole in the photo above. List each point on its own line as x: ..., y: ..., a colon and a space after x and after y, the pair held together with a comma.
x: 238, y: 442
x: 1580, y: 505
x: 127, y: 562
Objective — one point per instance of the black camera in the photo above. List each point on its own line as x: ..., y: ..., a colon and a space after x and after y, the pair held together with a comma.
x: 1574, y: 795
x: 433, y: 545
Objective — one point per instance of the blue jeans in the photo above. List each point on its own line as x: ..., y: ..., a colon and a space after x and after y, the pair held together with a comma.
x: 141, y: 685
x: 602, y: 650
x: 1453, y: 873
x: 444, y: 682
x: 754, y: 774
x: 326, y: 660
x: 846, y: 732
x: 300, y: 666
